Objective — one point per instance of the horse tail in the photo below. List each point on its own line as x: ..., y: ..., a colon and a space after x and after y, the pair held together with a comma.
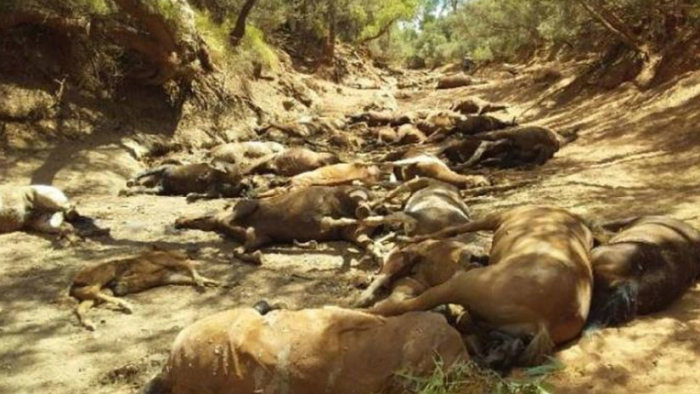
x: 540, y: 346
x: 618, y: 307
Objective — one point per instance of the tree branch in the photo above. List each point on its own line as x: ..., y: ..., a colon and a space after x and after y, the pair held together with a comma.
x: 381, y: 31
x: 609, y: 21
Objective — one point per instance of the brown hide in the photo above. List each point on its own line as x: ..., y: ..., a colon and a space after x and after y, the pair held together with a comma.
x: 413, y: 269
x: 475, y: 124
x: 510, y: 147
x: 476, y: 106
x: 375, y: 118
x: 387, y: 135
x: 538, y: 282
x: 198, y: 178
x: 436, y: 207
x: 294, y: 161
x: 454, y: 81
x: 654, y: 259
x: 294, y: 215
x: 240, y: 152
x: 212, y: 180
x: 431, y: 262
x: 410, y: 134
x: 421, y: 164
x: 439, y: 122
x: 339, y: 174
x: 527, y: 144
x: 470, y: 125
x: 312, y: 351
x: 131, y: 275
x: 461, y: 150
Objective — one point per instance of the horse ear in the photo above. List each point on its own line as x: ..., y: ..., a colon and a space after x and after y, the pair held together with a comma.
x: 217, y: 165
x: 226, y: 167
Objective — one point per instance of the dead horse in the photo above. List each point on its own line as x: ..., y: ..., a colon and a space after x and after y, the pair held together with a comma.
x: 538, y: 283
x: 327, y: 350
x: 647, y: 265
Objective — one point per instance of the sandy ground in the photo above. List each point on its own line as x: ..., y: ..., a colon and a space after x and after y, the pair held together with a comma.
x: 639, y: 153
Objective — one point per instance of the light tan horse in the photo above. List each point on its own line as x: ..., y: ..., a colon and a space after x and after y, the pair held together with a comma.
x: 538, y: 283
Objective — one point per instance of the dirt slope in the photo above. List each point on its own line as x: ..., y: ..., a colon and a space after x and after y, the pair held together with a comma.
x: 638, y: 153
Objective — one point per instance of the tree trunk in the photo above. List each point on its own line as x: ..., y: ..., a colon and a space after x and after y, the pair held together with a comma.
x: 329, y: 50
x: 305, y: 13
x: 615, y: 25
x: 239, y: 30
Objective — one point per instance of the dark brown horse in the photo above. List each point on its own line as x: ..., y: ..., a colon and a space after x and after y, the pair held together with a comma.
x: 647, y: 265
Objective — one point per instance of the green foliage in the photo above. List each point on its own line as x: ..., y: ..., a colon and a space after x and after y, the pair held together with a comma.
x: 503, y: 29
x: 252, y: 48
x: 169, y: 8
x: 468, y: 378
x: 269, y: 15
x: 215, y: 34
x: 436, y: 31
x: 380, y: 14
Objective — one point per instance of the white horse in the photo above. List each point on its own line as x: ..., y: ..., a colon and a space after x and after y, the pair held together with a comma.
x: 36, y: 207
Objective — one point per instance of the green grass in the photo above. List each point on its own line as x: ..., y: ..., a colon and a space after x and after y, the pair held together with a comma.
x: 254, y: 42
x: 252, y: 47
x: 468, y: 378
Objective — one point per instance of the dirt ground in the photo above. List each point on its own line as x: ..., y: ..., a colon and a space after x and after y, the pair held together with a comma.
x: 638, y: 153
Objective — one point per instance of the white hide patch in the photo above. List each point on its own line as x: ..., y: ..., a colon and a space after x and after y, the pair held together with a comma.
x: 422, y: 158
x: 430, y: 203
x: 56, y: 220
x: 49, y: 198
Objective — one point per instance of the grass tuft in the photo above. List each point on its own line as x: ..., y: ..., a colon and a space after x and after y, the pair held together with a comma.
x: 468, y: 378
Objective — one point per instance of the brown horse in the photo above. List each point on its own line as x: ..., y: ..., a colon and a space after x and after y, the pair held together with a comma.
x: 651, y: 262
x: 131, y: 275
x: 292, y: 161
x: 315, y: 213
x: 411, y: 270
x: 328, y: 350
x: 420, y: 164
x: 538, y: 283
